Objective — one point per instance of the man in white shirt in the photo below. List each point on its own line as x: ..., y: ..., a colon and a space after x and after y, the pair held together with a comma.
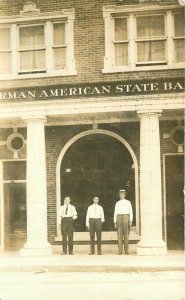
x: 94, y: 220
x: 123, y: 217
x: 68, y: 214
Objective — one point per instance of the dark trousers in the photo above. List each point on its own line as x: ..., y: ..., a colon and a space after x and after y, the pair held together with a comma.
x: 123, y: 230
x: 95, y: 226
x: 67, y: 233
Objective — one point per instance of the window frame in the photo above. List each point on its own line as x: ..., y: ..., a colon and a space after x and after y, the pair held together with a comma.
x: 111, y: 12
x: 175, y: 38
x: 61, y: 45
x: 152, y: 39
x: 31, y: 48
x: 66, y: 16
x: 8, y: 50
x: 122, y: 42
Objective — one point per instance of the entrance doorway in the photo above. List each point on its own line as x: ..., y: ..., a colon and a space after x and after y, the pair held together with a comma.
x: 14, y: 173
x: 97, y: 165
x: 15, y: 215
x: 174, y: 167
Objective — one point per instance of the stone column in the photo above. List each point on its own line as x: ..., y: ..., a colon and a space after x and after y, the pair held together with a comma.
x: 37, y: 243
x: 2, y: 219
x: 150, y: 186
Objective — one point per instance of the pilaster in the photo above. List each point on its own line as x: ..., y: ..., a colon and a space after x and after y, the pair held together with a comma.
x: 150, y: 186
x: 37, y: 243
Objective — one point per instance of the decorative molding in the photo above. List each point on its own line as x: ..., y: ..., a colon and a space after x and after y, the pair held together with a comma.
x: 149, y: 1
x: 35, y: 119
x: 111, y: 9
x: 179, y: 144
x: 181, y: 2
x: 30, y: 9
x: 149, y: 113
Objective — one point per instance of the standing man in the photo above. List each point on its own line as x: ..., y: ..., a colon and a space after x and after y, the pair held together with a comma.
x: 123, y: 217
x: 68, y: 214
x: 94, y: 220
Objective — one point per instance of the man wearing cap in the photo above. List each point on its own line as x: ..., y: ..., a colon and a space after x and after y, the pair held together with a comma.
x: 123, y: 217
x: 94, y: 220
x: 68, y: 214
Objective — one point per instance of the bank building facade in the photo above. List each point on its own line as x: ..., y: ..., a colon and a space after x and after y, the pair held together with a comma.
x: 91, y: 101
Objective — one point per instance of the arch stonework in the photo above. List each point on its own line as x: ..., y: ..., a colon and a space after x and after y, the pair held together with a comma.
x: 81, y: 135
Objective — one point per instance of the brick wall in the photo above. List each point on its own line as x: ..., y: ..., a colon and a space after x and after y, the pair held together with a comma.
x: 56, y: 139
x: 89, y: 43
x: 89, y: 46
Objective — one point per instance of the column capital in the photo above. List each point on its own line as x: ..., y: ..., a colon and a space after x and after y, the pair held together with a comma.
x: 145, y: 113
x: 35, y: 119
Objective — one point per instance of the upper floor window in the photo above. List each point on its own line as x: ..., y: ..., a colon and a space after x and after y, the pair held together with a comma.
x: 37, y: 47
x: 5, y: 50
x: 32, y: 49
x: 150, y: 40
x: 179, y: 38
x: 140, y: 40
x: 59, y: 46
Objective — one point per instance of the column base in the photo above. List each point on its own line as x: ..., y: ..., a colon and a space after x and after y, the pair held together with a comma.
x: 151, y: 248
x: 45, y: 250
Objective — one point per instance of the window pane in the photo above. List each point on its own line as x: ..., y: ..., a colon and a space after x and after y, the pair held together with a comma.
x: 150, y: 27
x: 14, y: 170
x: 32, y: 60
x: 151, y: 51
x: 121, y: 54
x: 120, y: 29
x: 5, y: 38
x: 179, y: 50
x: 15, y: 220
x: 179, y: 25
x: 58, y: 34
x: 59, y: 58
x: 5, y: 62
x: 30, y: 37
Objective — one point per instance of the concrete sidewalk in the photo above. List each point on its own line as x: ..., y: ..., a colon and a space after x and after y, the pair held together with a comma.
x: 12, y: 262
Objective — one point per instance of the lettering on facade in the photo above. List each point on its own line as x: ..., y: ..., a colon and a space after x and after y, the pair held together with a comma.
x: 95, y: 90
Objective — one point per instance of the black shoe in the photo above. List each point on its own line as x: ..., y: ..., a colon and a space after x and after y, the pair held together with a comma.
x: 119, y: 253
x: 126, y: 253
x: 63, y: 253
x: 71, y: 253
x: 99, y: 253
x: 91, y: 253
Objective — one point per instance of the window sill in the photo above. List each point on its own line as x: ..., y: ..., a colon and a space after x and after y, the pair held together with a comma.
x: 37, y: 75
x: 143, y: 68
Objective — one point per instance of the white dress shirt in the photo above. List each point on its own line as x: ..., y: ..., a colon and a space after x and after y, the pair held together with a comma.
x: 71, y: 211
x: 94, y: 211
x: 123, y: 206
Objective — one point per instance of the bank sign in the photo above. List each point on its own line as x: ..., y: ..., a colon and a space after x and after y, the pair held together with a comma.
x: 118, y: 88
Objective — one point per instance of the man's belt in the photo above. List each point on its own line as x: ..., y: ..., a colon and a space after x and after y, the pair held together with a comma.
x: 123, y: 214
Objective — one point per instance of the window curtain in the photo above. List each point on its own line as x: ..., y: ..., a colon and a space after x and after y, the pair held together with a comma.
x: 5, y: 54
x: 32, y: 60
x: 58, y: 34
x: 179, y: 38
x: 150, y: 27
x: 31, y: 38
x: 59, y: 46
x: 5, y: 39
x: 120, y: 42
